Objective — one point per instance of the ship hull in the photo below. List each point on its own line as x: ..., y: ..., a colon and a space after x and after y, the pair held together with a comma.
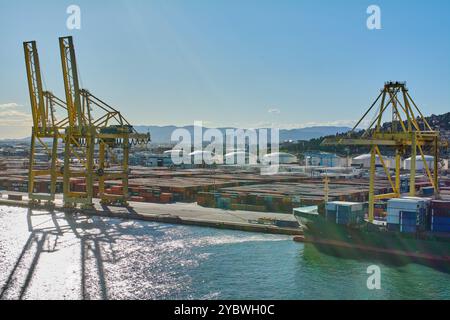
x: 368, y: 242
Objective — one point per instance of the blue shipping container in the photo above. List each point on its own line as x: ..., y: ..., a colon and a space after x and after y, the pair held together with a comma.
x: 440, y: 221
x: 408, y: 229
x: 408, y: 215
x: 440, y: 228
x: 406, y: 222
x: 427, y: 191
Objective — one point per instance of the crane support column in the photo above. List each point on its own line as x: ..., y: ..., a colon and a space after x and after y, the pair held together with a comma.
x: 126, y: 156
x: 30, y: 167
x: 397, y: 173
x: 372, y: 183
x: 66, y: 167
x: 412, y: 178
x: 54, y: 174
x: 101, y: 173
x: 90, y: 146
x: 436, y: 166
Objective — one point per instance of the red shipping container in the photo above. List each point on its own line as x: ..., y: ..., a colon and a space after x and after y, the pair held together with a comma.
x: 149, y: 198
x: 440, y: 204
x: 441, y: 212
x: 165, y: 197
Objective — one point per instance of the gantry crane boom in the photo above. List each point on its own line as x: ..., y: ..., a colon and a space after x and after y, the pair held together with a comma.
x: 71, y: 83
x: 35, y: 88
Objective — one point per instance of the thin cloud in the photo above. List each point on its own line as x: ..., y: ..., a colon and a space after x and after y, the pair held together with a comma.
x: 15, y: 118
x: 10, y: 116
x: 11, y: 105
x: 337, y: 123
x: 274, y: 111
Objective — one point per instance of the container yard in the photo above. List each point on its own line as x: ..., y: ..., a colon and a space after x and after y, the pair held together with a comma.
x: 223, y: 193
x: 216, y: 188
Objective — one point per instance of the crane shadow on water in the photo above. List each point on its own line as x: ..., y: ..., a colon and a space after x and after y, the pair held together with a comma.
x: 50, y: 232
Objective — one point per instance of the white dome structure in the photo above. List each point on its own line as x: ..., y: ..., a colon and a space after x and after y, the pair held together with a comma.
x: 280, y: 158
x: 364, y: 160
x: 420, y: 165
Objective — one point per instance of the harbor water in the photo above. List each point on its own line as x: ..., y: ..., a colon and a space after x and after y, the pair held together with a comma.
x: 58, y: 256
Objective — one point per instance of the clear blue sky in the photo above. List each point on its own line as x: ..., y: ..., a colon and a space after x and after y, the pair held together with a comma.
x: 228, y: 63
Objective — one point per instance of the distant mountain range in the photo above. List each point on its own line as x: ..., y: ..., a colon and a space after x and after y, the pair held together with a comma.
x: 19, y: 140
x: 162, y: 134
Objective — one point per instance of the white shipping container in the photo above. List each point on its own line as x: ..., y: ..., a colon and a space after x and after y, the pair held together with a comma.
x: 393, y: 212
x: 420, y: 199
x: 393, y: 219
x: 354, y: 206
x: 406, y: 204
x: 357, y: 207
x: 335, y: 205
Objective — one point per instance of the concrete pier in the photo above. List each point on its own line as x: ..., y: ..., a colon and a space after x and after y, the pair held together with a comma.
x: 184, y: 213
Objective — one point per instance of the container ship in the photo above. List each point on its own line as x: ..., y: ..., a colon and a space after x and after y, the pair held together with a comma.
x: 415, y: 229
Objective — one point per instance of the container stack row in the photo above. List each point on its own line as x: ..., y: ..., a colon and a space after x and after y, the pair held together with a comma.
x: 248, y: 201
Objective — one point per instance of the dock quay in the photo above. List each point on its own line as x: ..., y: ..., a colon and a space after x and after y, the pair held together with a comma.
x: 185, y: 214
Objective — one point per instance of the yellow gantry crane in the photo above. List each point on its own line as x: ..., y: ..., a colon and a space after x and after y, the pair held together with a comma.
x: 89, y: 126
x: 46, y: 126
x: 409, y: 131
x: 93, y: 123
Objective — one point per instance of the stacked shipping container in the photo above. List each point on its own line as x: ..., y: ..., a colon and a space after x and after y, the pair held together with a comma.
x: 440, y: 216
x: 407, y: 215
x: 345, y: 213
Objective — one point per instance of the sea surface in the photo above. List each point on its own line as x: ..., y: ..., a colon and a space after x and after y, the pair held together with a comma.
x: 58, y: 256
